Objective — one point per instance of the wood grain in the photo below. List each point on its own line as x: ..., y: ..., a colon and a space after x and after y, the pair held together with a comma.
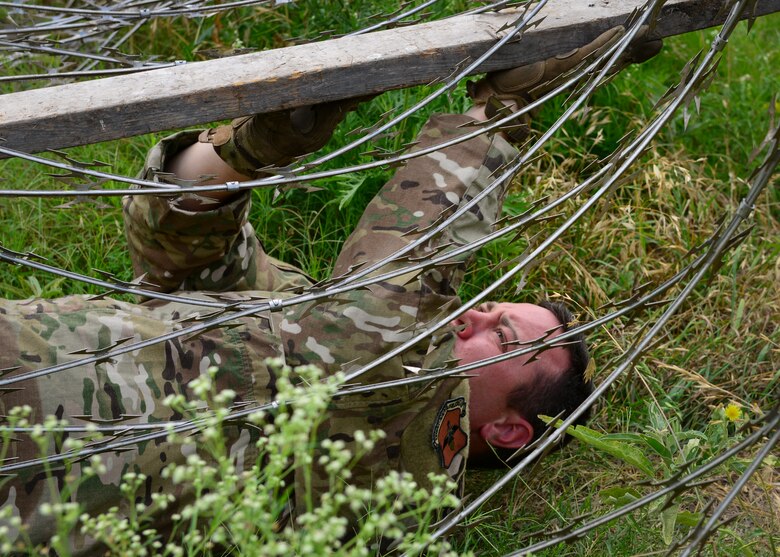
x: 196, y: 93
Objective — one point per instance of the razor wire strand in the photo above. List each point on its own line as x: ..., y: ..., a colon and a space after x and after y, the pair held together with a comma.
x: 19, y: 258
x: 703, y: 532
x: 638, y: 348
x: 335, y: 290
x: 240, y: 314
x: 187, y: 331
x: 93, y: 22
x: 92, y: 35
x: 426, y: 378
x: 535, y: 346
x: 272, y: 181
x: 625, y: 363
x: 715, y: 252
x: 294, y: 175
x: 586, y: 206
x: 394, y: 20
x: 482, y: 364
x: 760, y: 181
x: 631, y: 152
x: 141, y: 13
x: 518, y: 224
x: 674, y: 485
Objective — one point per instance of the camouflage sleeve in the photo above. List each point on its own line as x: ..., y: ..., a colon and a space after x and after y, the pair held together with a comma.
x: 213, y: 250
x: 425, y: 192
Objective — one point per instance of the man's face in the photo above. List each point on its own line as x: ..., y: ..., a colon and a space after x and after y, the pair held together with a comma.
x: 482, y: 334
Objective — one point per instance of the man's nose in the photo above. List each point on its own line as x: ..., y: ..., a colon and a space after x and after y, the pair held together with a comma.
x: 473, y: 322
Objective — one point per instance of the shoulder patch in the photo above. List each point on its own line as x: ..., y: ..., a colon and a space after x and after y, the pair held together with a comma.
x: 448, y: 438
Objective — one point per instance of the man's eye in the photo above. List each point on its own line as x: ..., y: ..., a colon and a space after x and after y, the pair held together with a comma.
x: 501, y: 340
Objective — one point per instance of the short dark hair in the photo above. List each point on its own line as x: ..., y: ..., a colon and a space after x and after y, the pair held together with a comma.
x: 553, y: 393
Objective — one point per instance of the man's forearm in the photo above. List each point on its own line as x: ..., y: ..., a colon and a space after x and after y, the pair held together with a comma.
x: 173, y: 239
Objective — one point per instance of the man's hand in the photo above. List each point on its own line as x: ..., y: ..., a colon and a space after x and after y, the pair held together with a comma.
x: 253, y: 143
x: 238, y: 152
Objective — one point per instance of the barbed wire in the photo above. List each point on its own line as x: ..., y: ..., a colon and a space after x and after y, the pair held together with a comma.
x: 293, y: 175
x: 329, y: 292
x: 674, y: 488
x: 761, y: 179
x: 33, y: 39
x: 50, y: 29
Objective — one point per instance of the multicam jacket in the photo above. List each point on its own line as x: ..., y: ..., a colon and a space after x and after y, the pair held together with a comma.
x: 214, y: 255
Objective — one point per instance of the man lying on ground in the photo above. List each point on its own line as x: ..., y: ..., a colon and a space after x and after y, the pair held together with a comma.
x: 204, y: 247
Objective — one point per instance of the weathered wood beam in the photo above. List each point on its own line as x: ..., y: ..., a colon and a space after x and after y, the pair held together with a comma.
x: 124, y: 106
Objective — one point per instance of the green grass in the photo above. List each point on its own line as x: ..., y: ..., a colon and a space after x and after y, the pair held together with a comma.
x: 721, y: 347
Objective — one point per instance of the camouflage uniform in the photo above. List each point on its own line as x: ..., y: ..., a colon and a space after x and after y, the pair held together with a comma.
x: 216, y: 251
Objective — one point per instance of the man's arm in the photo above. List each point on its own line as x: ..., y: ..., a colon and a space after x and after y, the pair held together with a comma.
x: 203, y: 242
x: 189, y: 242
x: 427, y: 190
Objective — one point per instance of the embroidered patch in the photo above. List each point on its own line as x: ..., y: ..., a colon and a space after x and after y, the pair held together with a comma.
x: 448, y: 437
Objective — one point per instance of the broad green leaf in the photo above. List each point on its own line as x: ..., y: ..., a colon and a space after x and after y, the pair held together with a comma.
x: 668, y: 520
x: 619, y: 496
x: 657, y: 446
x: 692, y: 434
x: 625, y: 452
x: 657, y: 420
x: 691, y: 446
x: 687, y: 518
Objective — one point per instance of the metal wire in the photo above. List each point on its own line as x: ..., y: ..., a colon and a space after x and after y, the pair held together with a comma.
x: 347, y: 285
x: 674, y: 488
x: 597, y: 187
x: 86, y: 25
x: 627, y: 359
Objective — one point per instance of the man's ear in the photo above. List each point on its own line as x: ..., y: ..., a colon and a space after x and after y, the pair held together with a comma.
x: 511, y: 431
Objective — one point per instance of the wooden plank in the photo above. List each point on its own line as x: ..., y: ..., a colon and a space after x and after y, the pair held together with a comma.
x: 124, y: 106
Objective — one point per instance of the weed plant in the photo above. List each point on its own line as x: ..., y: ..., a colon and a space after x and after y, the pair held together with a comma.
x: 719, y: 353
x: 240, y: 510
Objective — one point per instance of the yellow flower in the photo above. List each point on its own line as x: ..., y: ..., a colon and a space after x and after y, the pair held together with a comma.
x: 733, y: 412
